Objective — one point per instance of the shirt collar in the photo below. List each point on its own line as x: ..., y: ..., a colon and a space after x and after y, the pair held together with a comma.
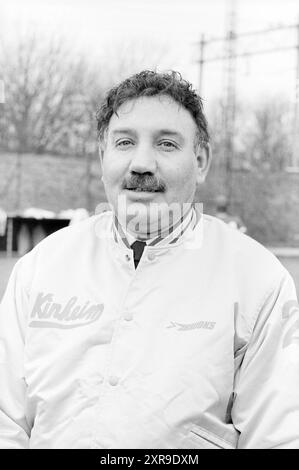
x: 174, y: 235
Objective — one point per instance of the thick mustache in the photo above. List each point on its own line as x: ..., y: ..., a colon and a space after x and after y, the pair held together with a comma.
x: 144, y: 183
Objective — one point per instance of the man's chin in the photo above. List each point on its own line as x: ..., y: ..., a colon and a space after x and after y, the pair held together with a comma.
x: 147, y: 216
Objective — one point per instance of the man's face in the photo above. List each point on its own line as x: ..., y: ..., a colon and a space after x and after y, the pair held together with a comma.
x: 150, y: 156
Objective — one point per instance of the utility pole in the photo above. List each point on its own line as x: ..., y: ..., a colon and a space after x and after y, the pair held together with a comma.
x: 230, y: 100
x: 201, y: 63
x: 295, y: 146
x: 229, y: 58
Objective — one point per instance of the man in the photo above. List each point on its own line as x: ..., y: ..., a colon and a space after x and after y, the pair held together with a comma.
x: 150, y: 325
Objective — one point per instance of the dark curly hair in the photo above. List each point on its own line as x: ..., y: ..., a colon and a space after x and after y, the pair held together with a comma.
x: 150, y: 83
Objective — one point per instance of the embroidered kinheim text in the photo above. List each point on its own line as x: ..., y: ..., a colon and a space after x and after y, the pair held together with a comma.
x: 49, y: 314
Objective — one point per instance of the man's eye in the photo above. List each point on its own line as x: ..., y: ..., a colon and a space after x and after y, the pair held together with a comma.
x: 123, y: 143
x: 168, y: 145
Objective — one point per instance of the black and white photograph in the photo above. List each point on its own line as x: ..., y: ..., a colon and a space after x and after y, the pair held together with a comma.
x: 149, y: 227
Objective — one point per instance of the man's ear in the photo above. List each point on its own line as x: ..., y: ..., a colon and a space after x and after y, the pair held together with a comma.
x: 204, y: 158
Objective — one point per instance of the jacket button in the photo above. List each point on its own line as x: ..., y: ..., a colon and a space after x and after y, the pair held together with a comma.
x: 151, y: 256
x: 113, y: 380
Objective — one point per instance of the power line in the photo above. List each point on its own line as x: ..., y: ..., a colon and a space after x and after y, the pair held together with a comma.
x: 254, y: 33
x: 248, y: 54
x: 229, y: 58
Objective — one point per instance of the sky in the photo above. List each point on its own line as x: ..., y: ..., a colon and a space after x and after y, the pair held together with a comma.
x: 98, y: 27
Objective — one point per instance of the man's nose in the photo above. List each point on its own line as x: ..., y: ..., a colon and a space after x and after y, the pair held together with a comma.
x: 143, y: 160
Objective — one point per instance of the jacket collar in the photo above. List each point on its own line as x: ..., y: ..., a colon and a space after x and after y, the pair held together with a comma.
x: 175, y: 235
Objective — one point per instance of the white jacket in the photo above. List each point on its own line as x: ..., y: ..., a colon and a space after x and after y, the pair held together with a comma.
x: 196, y: 348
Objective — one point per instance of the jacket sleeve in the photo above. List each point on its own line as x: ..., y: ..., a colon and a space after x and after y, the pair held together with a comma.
x: 14, y: 429
x: 266, y: 405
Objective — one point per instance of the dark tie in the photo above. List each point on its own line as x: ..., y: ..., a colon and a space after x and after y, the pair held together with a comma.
x: 137, y: 248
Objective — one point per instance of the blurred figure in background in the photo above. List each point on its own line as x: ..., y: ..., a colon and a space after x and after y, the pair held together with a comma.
x: 223, y: 214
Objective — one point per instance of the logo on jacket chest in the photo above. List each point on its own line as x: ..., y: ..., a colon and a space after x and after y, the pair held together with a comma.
x: 49, y: 314
x: 206, y: 325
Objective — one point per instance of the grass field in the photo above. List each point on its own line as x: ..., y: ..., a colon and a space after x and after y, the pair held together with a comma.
x: 6, y: 265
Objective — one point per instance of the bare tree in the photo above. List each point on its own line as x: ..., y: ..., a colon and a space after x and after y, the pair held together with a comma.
x: 262, y: 135
x: 52, y: 95
x: 46, y: 102
x: 120, y: 60
x: 268, y: 138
